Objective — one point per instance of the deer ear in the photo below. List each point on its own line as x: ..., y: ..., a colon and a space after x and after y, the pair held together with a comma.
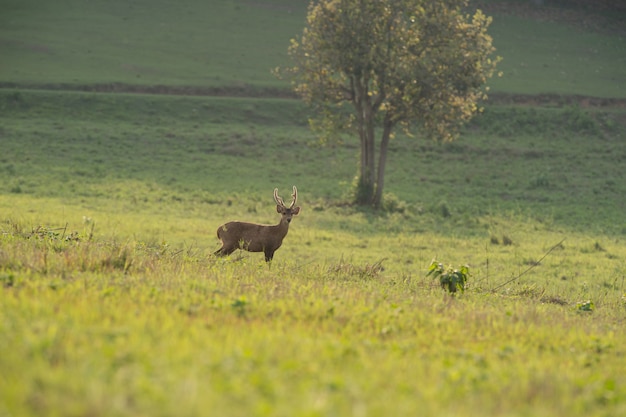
x: 280, y: 209
x: 295, y: 211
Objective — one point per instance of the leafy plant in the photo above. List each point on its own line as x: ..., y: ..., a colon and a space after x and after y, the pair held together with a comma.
x: 450, y: 279
x: 7, y: 280
x: 586, y: 306
x: 240, y: 305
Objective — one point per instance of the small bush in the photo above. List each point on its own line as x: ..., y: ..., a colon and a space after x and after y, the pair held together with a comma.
x: 450, y: 279
x: 586, y: 306
x: 441, y: 209
x: 392, y: 204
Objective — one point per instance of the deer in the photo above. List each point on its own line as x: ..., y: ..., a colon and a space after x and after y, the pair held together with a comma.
x: 254, y: 237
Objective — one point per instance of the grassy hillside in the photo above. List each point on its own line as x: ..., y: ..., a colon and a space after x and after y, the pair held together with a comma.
x: 552, y: 57
x: 213, y: 43
x: 236, y: 43
x: 561, y: 166
x: 112, y: 304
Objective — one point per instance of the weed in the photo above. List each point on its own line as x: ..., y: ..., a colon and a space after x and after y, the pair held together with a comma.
x: 240, y: 305
x: 585, y: 306
x: 442, y: 209
x: 7, y: 280
x: 578, y: 120
x: 450, y: 279
x: 542, y: 180
x: 119, y: 258
x: 393, y: 204
x: 349, y: 270
x: 506, y: 241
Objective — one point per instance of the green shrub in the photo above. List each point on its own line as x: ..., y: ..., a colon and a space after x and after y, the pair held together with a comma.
x: 450, y: 279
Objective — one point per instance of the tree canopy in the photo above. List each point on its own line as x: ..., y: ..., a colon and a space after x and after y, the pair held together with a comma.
x: 417, y: 64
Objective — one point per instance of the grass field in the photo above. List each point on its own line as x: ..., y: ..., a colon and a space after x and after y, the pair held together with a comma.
x: 112, y: 304
x: 235, y: 44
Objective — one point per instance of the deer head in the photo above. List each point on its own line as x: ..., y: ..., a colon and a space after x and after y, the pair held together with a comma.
x: 258, y: 237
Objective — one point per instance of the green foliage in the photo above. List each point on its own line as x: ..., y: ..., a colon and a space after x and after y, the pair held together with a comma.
x: 392, y: 57
x: 7, y: 280
x: 450, y: 279
x: 240, y: 305
x: 393, y: 204
x: 587, y: 306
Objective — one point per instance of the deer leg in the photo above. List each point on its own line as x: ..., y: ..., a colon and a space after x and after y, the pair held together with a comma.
x: 269, y: 255
x: 224, y: 251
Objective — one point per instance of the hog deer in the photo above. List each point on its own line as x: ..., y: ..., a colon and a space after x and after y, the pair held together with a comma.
x: 258, y: 237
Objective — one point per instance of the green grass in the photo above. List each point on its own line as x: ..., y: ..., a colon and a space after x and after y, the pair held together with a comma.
x: 235, y: 44
x: 195, y: 43
x: 104, y: 328
x: 560, y: 166
x: 112, y: 304
x: 547, y: 57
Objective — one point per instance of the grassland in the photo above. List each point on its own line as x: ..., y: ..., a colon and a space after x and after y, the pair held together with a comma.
x: 111, y: 303
x: 234, y: 45
x: 100, y: 329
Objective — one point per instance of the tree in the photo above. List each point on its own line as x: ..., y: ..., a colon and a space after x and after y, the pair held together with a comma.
x: 375, y: 65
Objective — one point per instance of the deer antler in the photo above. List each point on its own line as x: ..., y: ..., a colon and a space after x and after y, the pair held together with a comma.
x: 294, y: 196
x: 281, y: 202
x: 278, y: 199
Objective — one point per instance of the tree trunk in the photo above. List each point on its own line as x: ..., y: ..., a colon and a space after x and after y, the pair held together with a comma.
x: 371, y: 150
x: 365, y: 120
x: 382, y: 161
